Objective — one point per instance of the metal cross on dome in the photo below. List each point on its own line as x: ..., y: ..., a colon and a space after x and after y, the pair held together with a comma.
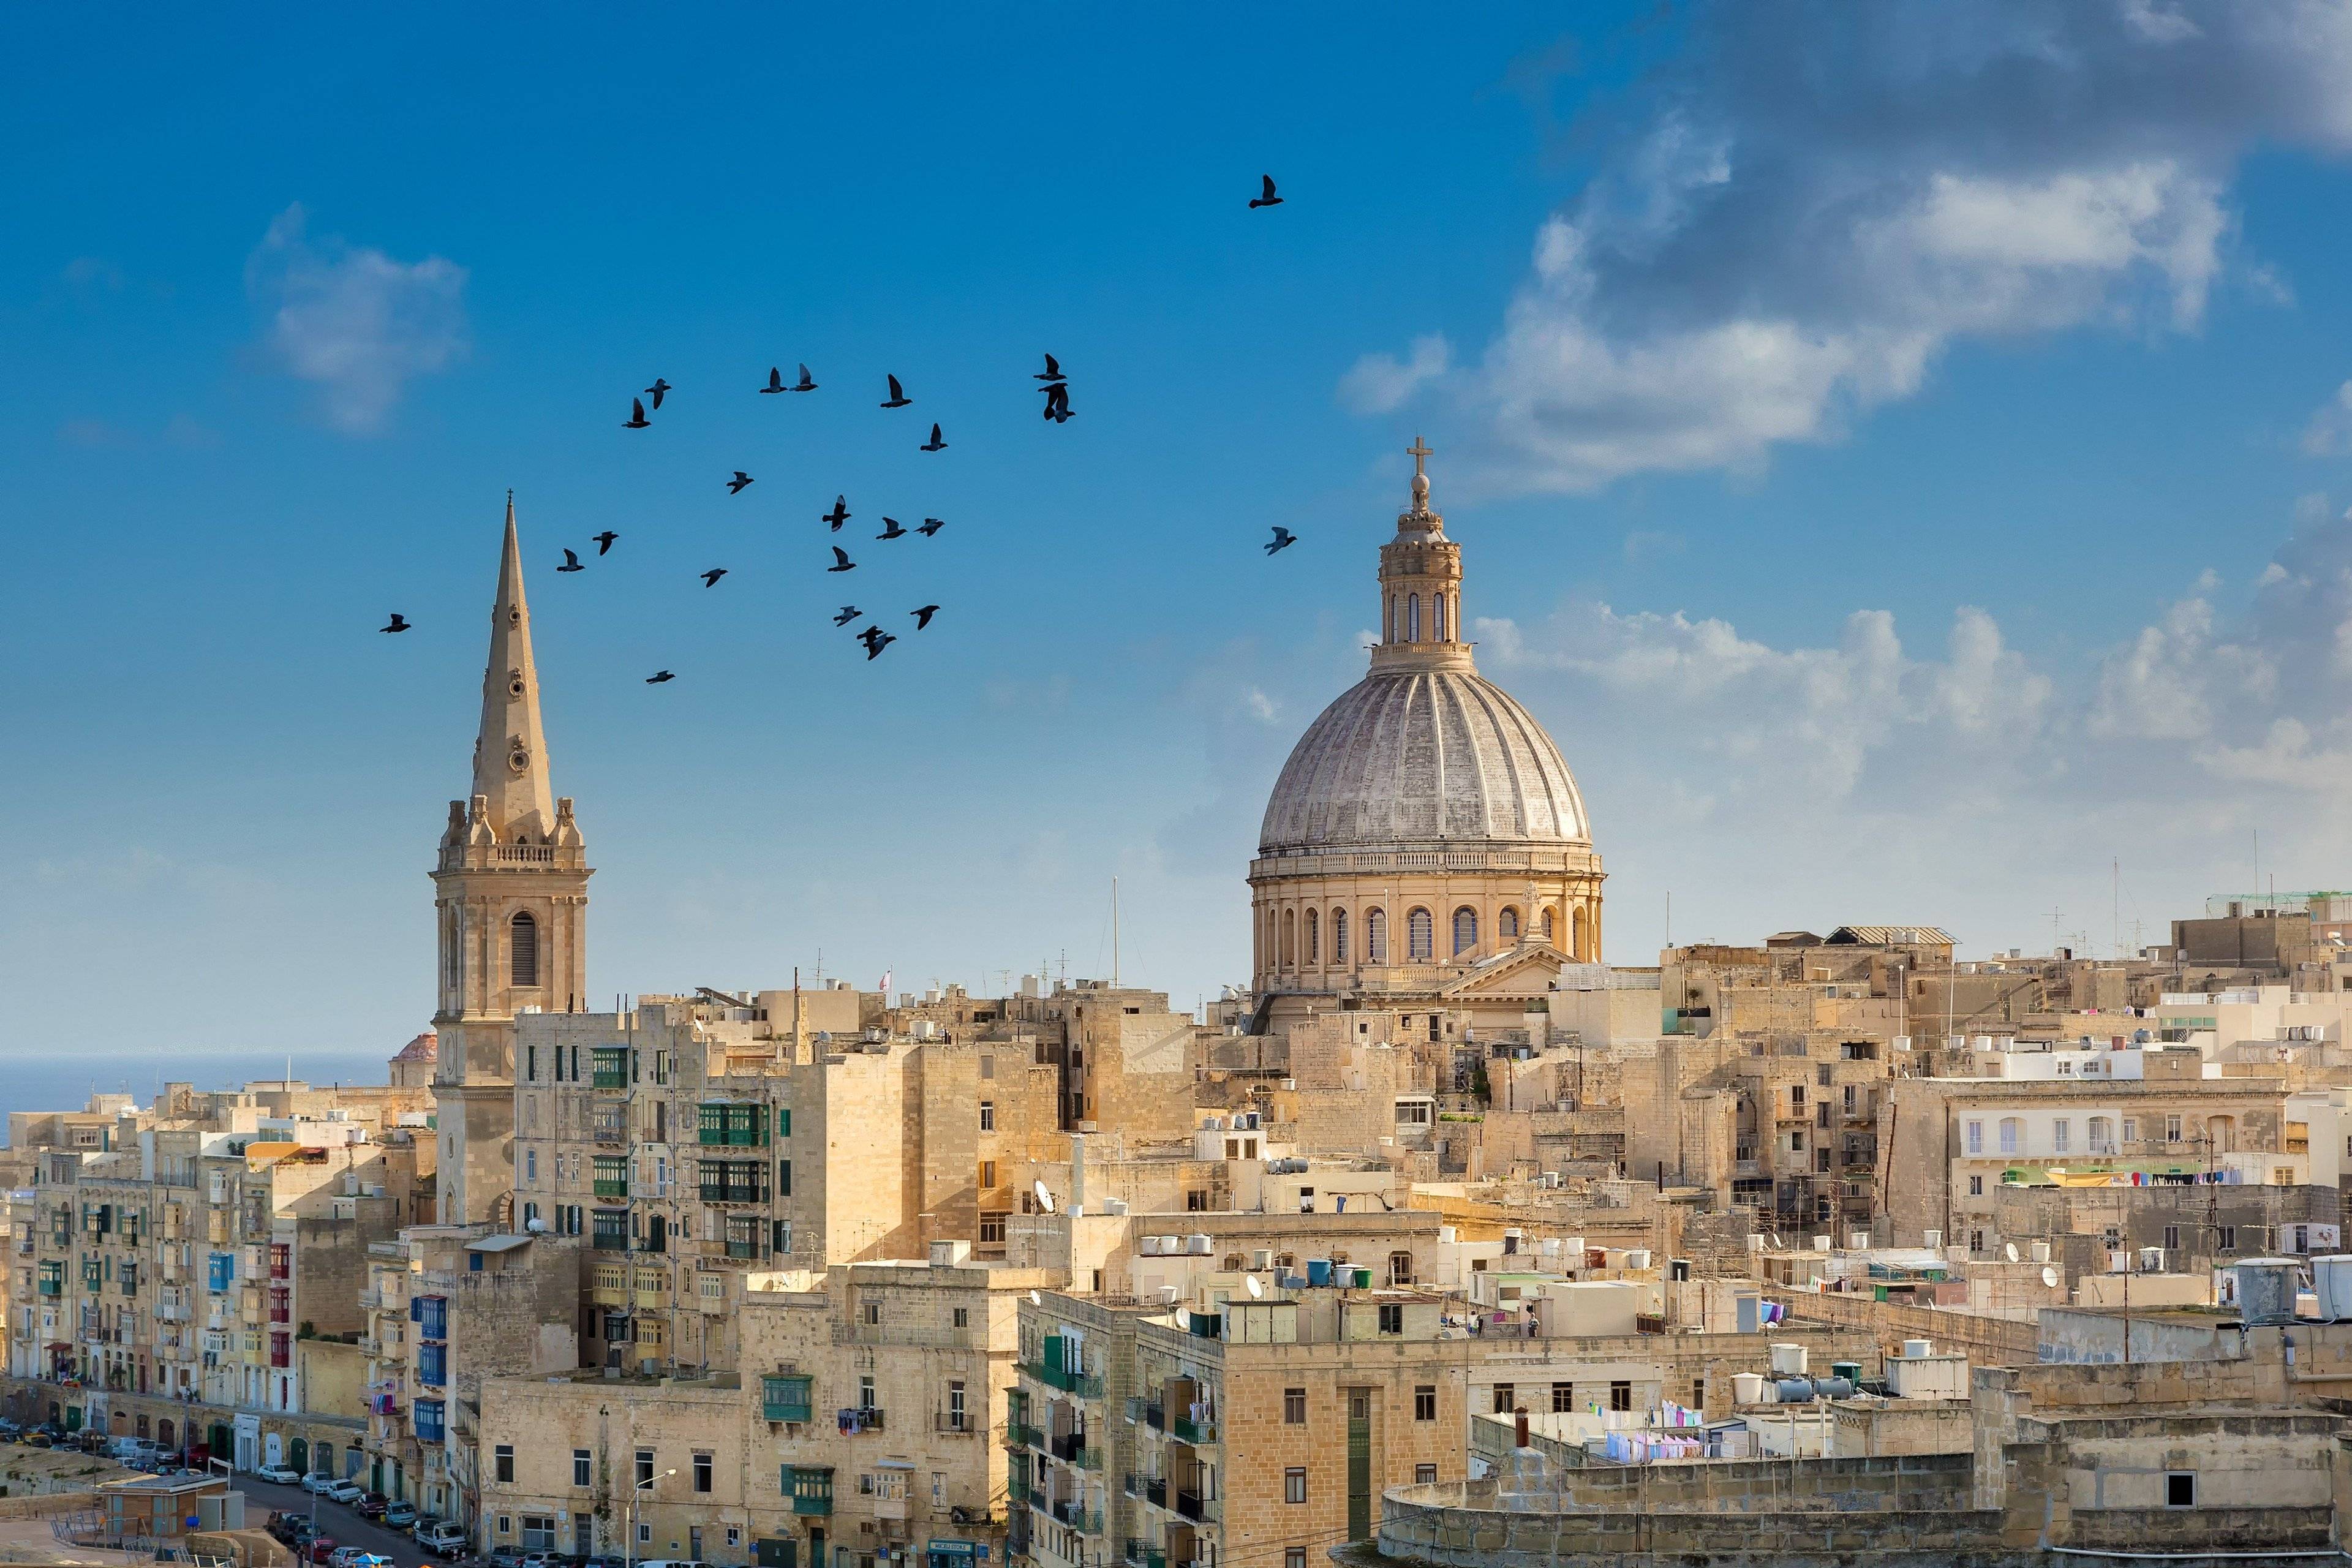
x: 1418, y: 452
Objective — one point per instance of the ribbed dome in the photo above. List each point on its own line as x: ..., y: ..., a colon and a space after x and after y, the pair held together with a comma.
x: 1408, y: 757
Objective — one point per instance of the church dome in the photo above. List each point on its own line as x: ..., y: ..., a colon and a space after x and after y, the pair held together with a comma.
x: 1409, y: 757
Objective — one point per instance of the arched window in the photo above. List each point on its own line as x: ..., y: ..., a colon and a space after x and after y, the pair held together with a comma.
x: 1314, y: 948
x: 1419, y: 936
x: 1547, y: 927
x: 1582, y: 935
x: 523, y: 967
x: 1506, y: 924
x: 1290, y: 938
x: 1465, y: 929
x: 1412, y: 617
x: 457, y: 950
x: 1437, y: 605
x: 1376, y: 936
x: 1338, y: 936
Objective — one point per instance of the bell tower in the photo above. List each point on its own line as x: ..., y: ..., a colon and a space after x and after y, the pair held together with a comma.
x: 510, y: 898
x: 1420, y: 587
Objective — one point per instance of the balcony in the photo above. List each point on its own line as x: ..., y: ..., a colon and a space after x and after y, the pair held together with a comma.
x: 1018, y: 1434
x: 1067, y: 1379
x: 954, y: 1421
x: 1074, y: 1514
x: 1143, y: 1555
x: 610, y: 1131
x: 1152, y: 1489
x: 812, y: 1489
x: 1187, y: 1430
x: 732, y: 1192
x: 1147, y: 1411
x: 1016, y: 1491
x: 1194, y: 1507
x: 1072, y: 1449
x: 609, y: 1188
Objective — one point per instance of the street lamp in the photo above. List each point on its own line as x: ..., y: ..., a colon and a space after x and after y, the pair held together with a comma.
x: 629, y: 1545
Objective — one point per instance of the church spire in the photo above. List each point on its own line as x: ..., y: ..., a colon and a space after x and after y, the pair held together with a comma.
x: 511, y: 793
x: 1420, y: 586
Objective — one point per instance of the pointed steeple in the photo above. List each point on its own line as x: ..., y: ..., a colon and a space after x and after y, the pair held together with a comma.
x: 511, y: 789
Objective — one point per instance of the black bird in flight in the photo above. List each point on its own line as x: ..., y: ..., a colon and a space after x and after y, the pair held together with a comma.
x: 571, y: 563
x: 399, y: 623
x: 892, y: 529
x: 899, y: 398
x: 735, y: 486
x: 1267, y: 198
x: 775, y: 381
x: 808, y: 383
x: 603, y: 541
x: 1282, y: 540
x: 931, y: 525
x: 636, y: 419
x: 1052, y: 371
x: 711, y: 578
x: 935, y: 443
x: 658, y: 389
x: 841, y: 561
x: 848, y: 614
x: 1057, y: 403
x: 923, y: 617
x: 658, y: 675
x: 876, y: 639
x: 838, y: 515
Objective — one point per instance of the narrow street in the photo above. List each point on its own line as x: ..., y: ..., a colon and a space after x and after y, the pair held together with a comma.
x: 335, y: 1520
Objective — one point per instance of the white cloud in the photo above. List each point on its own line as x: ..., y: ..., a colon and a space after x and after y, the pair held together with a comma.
x: 353, y: 321
x: 1259, y: 705
x: 2329, y: 433
x: 1768, y: 248
x: 1379, y: 383
x: 2285, y: 757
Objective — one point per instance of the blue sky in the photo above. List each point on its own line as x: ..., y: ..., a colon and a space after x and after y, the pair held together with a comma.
x: 1899, y: 455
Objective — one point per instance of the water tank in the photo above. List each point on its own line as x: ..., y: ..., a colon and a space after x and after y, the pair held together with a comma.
x: 1262, y: 1257
x: 1170, y: 1245
x: 2265, y: 1290
x: 1851, y: 1370
x: 1747, y: 1388
x: 1918, y: 1350
x: 1820, y: 1244
x: 1318, y: 1272
x: 1788, y: 1360
x: 1198, y: 1246
x: 1794, y: 1390
x: 1637, y: 1257
x: 1363, y: 1279
x: 2039, y: 1252
x: 1150, y: 1246
x: 1832, y: 1388
x: 2332, y: 1277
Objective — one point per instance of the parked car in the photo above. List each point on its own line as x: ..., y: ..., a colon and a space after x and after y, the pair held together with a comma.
x: 345, y: 1491
x: 368, y: 1559
x: 442, y: 1538
x: 320, y: 1482
x: 279, y: 1475
x: 371, y: 1505
x: 41, y: 1440
x: 342, y: 1556
x: 399, y: 1515
x: 321, y: 1549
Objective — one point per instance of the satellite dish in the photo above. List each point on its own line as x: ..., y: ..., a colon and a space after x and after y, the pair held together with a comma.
x: 2008, y: 1250
x: 1257, y: 1288
x: 1044, y: 1198
x: 1035, y: 1300
x: 2050, y: 1277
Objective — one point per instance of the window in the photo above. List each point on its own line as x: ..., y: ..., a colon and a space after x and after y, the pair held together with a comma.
x: 502, y: 1462
x: 644, y: 1533
x: 1503, y: 1398
x: 783, y: 1178
x: 1424, y: 1401
x: 583, y: 1470
x: 1294, y: 1407
x: 987, y: 1174
x: 2180, y: 1488
x: 1424, y: 1475
x: 1563, y: 1397
x: 524, y: 969
x: 2061, y: 1135
x: 873, y: 1313
x: 1465, y: 929
x: 1797, y: 1098
x: 1976, y: 1137
x: 644, y: 1466
x: 1412, y: 617
x: 1313, y: 945
x: 784, y: 1398
x: 2172, y: 1129
x: 1294, y: 1484
x: 702, y: 1472
x: 1419, y: 936
x: 988, y: 1116
x: 963, y: 1317
x: 1376, y: 936
x: 531, y: 1164
x: 991, y: 1229
x: 505, y: 1524
x: 1340, y: 943
x: 1621, y: 1395
x: 2171, y: 1238
x: 2225, y: 1238
x: 2011, y: 1130
x: 1293, y: 1557
x: 1437, y: 609
x: 1506, y: 924
x: 2131, y: 1129
x: 1976, y: 1186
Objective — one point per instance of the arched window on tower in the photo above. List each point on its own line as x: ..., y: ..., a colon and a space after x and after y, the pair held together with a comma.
x: 1548, y: 928
x: 1376, y: 936
x: 1437, y: 605
x: 1412, y: 617
x: 522, y: 968
x: 1314, y: 949
x: 1581, y: 937
x: 1506, y: 924
x: 1338, y: 936
x: 456, y: 950
x: 1419, y: 936
x: 1465, y: 929
x: 1290, y: 938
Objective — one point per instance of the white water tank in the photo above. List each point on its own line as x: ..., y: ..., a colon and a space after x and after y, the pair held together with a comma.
x: 2331, y: 1277
x: 1637, y: 1257
x: 1857, y: 1241
x: 1199, y: 1246
x: 1747, y: 1388
x: 1918, y: 1350
x: 2039, y: 1252
x: 1820, y: 1244
x: 1150, y: 1246
x: 1788, y: 1360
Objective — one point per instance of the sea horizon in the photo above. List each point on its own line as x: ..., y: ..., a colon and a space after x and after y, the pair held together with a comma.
x: 67, y: 1083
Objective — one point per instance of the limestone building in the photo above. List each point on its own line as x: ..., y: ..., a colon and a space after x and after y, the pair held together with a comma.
x: 1425, y: 841
x: 511, y: 893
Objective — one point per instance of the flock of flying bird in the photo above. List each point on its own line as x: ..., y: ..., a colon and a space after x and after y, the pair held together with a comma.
x: 1057, y: 410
